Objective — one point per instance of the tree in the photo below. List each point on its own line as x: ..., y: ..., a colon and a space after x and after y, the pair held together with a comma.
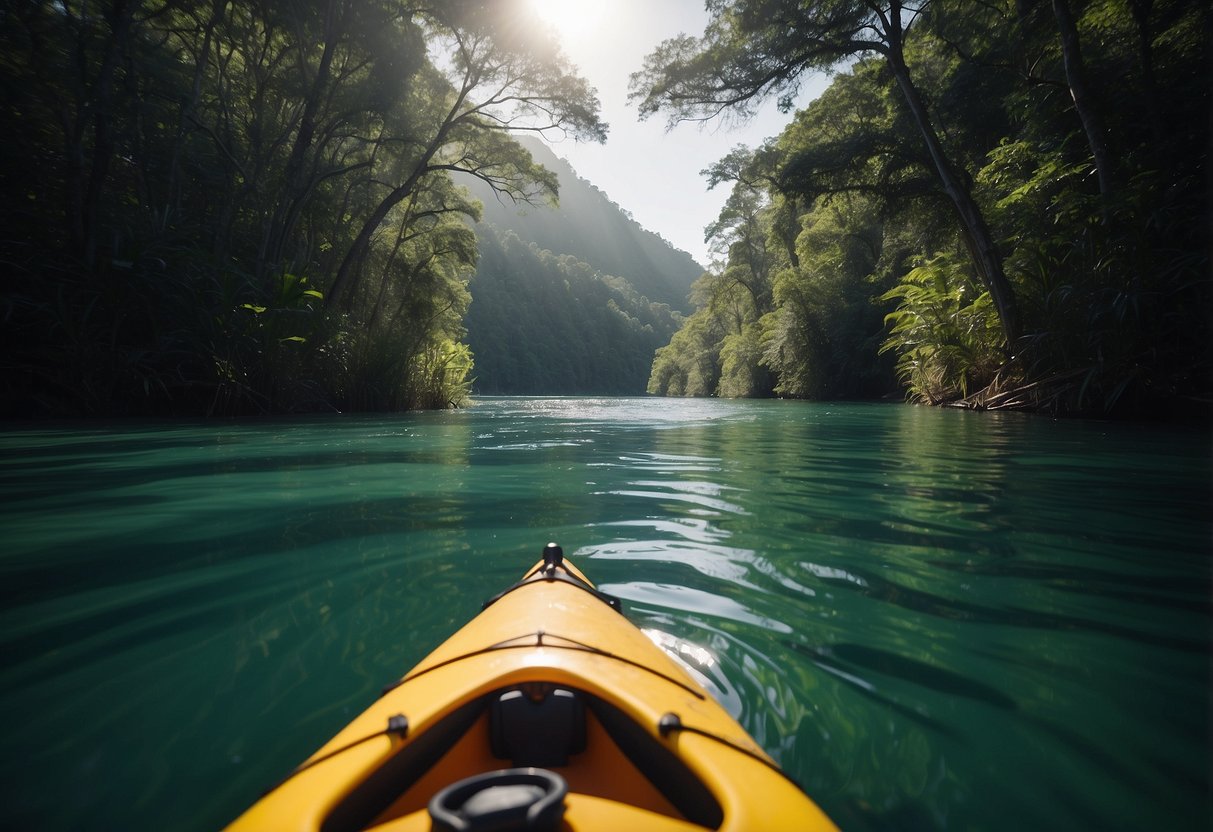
x: 753, y: 49
x: 690, y: 364
x: 740, y: 231
x: 505, y: 74
x: 1076, y: 78
x: 239, y: 205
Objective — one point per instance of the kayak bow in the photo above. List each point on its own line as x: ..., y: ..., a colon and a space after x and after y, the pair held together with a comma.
x: 547, y: 711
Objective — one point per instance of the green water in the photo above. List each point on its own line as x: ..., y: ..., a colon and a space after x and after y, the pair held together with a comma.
x: 932, y: 619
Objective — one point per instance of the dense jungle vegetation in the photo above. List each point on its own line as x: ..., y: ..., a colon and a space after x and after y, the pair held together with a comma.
x: 242, y: 206
x: 995, y: 204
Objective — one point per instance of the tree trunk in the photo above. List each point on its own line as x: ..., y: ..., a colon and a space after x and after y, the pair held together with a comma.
x: 377, y: 310
x: 84, y: 192
x: 172, y: 191
x: 295, y: 188
x: 985, y: 253
x: 1141, y: 11
x: 352, y: 262
x: 787, y: 227
x: 1080, y: 92
x: 338, y: 294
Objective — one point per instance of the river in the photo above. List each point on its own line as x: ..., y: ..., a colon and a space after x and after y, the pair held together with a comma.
x: 932, y: 619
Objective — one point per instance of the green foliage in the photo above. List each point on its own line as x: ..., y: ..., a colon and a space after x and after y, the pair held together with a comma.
x: 855, y: 138
x: 944, y: 330
x: 247, y: 207
x: 690, y: 364
x: 821, y: 342
x: 375, y: 373
x: 593, y: 229
x: 753, y: 49
x: 750, y: 51
x: 543, y: 323
x: 742, y: 373
x: 1073, y: 148
x: 719, y: 350
x: 1119, y: 324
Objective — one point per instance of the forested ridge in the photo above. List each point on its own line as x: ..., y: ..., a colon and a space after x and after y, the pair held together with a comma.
x: 588, y: 225
x: 572, y: 299
x: 992, y: 205
x: 542, y: 323
x: 242, y: 207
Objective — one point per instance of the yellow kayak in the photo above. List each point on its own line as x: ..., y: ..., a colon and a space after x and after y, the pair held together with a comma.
x: 547, y: 711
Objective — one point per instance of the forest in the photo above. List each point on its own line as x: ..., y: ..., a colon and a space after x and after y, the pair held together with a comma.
x: 993, y: 205
x: 571, y: 300
x: 589, y: 225
x: 243, y: 207
x: 543, y: 323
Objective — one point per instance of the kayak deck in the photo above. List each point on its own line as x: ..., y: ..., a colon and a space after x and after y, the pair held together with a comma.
x: 602, y: 782
x: 547, y: 677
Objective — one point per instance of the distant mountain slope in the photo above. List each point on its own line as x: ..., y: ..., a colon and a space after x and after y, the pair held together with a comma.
x: 574, y: 300
x: 546, y: 324
x: 592, y: 228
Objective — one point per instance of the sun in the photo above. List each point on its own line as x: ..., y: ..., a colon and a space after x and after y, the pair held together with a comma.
x: 570, y: 18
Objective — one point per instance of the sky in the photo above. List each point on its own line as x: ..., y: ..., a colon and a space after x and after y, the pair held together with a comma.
x: 644, y: 169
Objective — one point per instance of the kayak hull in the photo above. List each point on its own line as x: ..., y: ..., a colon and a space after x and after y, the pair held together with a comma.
x: 547, y: 672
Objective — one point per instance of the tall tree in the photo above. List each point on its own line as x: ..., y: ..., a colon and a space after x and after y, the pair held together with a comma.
x: 740, y: 230
x: 503, y: 72
x: 1080, y: 92
x: 753, y: 49
x: 191, y: 183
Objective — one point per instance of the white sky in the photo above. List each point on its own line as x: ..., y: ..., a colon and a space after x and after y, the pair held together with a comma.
x: 649, y: 172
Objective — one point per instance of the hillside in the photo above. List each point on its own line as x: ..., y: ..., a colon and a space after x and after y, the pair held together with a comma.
x: 592, y: 228
x: 542, y: 323
x: 572, y: 300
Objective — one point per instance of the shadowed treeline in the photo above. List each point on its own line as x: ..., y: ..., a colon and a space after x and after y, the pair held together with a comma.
x: 248, y: 207
x: 1002, y: 205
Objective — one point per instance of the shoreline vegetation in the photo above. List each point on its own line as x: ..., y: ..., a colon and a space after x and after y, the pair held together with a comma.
x: 221, y: 209
x: 246, y: 208
x: 993, y: 206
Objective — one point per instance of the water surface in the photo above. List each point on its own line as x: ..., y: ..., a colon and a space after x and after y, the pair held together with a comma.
x: 932, y: 619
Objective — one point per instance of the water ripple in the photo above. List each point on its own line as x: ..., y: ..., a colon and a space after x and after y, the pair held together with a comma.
x: 711, y: 560
x: 710, y: 506
x: 687, y: 599
x: 922, y: 614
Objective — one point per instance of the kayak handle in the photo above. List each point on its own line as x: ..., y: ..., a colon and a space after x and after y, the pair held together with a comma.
x: 553, y: 557
x: 510, y: 800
